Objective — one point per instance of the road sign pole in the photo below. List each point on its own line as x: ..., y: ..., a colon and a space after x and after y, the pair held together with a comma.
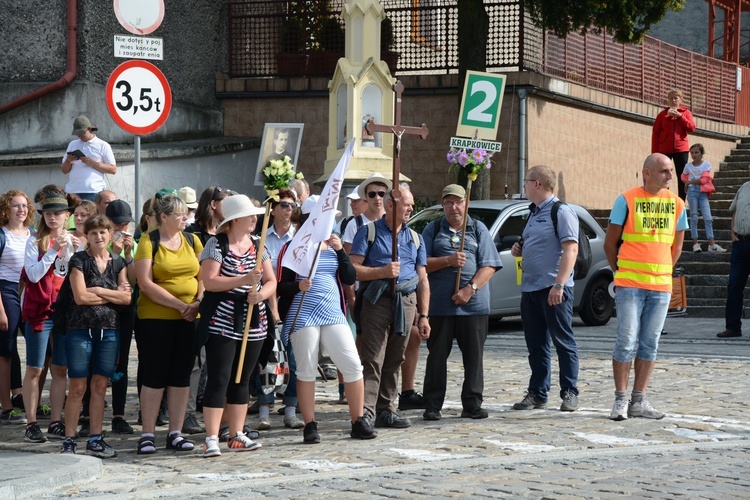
x: 137, y: 174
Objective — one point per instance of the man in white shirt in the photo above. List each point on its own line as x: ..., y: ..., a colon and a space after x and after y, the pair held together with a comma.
x: 373, y: 191
x: 87, y: 159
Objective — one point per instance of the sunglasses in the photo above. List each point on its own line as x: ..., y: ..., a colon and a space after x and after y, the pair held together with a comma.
x: 287, y: 204
x: 373, y: 194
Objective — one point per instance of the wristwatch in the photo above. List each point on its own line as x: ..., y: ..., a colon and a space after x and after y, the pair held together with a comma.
x: 473, y: 286
x: 558, y: 286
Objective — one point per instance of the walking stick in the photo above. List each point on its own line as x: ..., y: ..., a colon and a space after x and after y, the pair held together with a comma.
x: 258, y: 263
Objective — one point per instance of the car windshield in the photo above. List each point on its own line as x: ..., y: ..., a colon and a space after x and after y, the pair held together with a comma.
x: 487, y: 216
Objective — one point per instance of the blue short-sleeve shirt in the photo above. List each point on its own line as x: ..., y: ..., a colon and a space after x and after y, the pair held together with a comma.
x: 379, y: 254
x: 480, y: 252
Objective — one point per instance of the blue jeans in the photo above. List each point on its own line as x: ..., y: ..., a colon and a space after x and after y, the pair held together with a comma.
x: 540, y: 323
x: 96, y: 347
x: 37, y: 346
x: 739, y: 270
x: 640, y: 319
x: 87, y: 196
x: 290, y: 394
x: 698, y: 200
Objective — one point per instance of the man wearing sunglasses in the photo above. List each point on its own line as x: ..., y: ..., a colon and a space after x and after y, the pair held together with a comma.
x: 464, y: 314
x: 373, y: 191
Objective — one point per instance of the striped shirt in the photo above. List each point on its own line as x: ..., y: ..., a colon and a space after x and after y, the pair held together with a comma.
x: 322, y: 304
x: 11, y: 261
x: 222, y: 322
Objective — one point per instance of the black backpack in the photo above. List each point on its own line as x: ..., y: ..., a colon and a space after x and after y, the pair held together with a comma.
x: 345, y: 222
x: 585, y: 257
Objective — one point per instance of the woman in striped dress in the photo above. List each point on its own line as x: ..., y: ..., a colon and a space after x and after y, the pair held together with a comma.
x: 231, y: 282
x: 320, y: 320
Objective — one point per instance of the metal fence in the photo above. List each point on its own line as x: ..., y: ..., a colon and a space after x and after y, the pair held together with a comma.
x: 425, y: 41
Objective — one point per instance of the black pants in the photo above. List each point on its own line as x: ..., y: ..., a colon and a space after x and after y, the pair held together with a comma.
x: 222, y: 359
x: 680, y: 160
x: 470, y: 333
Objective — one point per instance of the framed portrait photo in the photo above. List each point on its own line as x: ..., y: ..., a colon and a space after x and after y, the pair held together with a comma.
x: 279, y: 140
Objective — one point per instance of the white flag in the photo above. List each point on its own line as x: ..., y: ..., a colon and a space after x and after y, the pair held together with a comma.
x: 318, y: 227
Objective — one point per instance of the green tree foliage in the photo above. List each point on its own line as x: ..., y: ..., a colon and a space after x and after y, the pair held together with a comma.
x: 627, y: 20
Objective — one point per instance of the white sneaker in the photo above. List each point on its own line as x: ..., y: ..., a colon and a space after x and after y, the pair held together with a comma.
x: 211, y: 447
x: 240, y: 442
x: 697, y: 248
x: 716, y: 248
x: 644, y: 409
x: 620, y: 410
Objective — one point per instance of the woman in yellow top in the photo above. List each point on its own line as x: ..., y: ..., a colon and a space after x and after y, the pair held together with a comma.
x: 170, y: 292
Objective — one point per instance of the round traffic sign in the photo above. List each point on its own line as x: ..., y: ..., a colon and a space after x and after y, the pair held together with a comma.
x: 139, y: 17
x: 138, y: 97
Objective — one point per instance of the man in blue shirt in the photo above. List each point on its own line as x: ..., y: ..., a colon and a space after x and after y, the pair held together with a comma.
x: 462, y: 314
x: 549, y: 257
x: 386, y: 318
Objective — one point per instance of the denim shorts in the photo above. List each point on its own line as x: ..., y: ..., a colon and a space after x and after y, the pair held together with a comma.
x: 640, y: 319
x: 38, y: 346
x: 93, y: 347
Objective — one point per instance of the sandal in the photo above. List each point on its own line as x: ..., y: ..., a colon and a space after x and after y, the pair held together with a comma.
x: 176, y: 441
x: 146, y: 445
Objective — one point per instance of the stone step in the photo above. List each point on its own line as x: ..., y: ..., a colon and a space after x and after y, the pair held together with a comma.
x: 713, y: 268
x: 712, y: 292
x: 705, y: 280
x: 707, y: 312
x: 721, y: 174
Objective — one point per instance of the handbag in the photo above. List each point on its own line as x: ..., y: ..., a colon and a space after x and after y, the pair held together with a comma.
x: 274, y: 376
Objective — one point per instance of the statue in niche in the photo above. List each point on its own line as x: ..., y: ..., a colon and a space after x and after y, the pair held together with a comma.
x: 368, y: 140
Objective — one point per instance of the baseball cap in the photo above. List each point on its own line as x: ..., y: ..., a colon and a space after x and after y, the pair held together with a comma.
x: 454, y: 190
x: 119, y: 212
x: 81, y: 124
x: 354, y: 195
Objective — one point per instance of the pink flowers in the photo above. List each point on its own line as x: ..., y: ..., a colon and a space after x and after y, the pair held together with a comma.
x: 471, y: 163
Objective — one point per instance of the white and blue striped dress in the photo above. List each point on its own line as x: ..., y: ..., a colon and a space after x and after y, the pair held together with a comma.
x: 322, y: 304
x: 222, y: 322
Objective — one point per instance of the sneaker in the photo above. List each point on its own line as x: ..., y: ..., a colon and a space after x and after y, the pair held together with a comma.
x: 211, y: 447
x: 530, y: 402
x: 411, y: 400
x: 240, y: 442
x: 643, y: 409
x: 391, y: 419
x: 12, y: 416
x: 293, y: 422
x: 18, y: 402
x: 34, y: 434
x: 570, y: 402
x: 432, y: 415
x: 716, y: 249
x: 246, y: 430
x: 85, y: 429
x: 43, y: 411
x: 263, y: 424
x: 363, y: 429
x: 120, y: 426
x: 475, y: 413
x: 310, y: 434
x: 191, y: 425
x: 68, y: 446
x: 620, y: 410
x: 100, y: 449
x: 56, y: 430
x: 697, y: 248
x: 728, y: 334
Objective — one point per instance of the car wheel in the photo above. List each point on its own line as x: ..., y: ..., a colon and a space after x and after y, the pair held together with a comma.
x: 598, y: 305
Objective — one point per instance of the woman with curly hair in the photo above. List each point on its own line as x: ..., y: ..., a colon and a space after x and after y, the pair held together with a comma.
x: 16, y: 217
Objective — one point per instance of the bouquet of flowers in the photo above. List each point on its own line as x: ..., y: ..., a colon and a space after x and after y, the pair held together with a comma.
x: 279, y: 174
x: 471, y: 163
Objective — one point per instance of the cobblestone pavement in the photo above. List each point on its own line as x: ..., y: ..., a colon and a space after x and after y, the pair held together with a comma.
x: 701, y: 449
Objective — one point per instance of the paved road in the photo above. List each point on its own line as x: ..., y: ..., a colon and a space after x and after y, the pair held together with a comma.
x: 700, y: 450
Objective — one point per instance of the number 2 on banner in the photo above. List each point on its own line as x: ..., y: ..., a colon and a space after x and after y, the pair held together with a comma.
x: 138, y: 97
x: 478, y: 113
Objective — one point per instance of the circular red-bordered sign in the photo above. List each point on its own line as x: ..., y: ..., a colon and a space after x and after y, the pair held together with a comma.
x: 140, y: 17
x: 138, y: 97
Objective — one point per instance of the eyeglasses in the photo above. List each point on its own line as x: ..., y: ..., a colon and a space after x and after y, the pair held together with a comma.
x: 529, y: 180
x: 373, y: 194
x: 453, y: 203
x: 287, y: 204
x: 17, y: 207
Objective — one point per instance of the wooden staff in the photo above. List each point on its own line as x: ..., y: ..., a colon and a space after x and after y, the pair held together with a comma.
x: 463, y: 232
x: 258, y: 263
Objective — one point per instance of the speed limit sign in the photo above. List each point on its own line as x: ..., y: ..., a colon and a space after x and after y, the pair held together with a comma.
x: 138, y: 97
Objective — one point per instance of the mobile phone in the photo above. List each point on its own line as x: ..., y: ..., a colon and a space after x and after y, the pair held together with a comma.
x: 77, y: 153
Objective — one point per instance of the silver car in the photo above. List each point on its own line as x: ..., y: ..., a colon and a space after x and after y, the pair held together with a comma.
x: 506, y: 219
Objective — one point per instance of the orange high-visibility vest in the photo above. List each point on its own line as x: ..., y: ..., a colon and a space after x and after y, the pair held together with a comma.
x: 645, y: 256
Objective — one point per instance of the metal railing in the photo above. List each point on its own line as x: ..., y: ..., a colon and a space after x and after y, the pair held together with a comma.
x: 425, y: 34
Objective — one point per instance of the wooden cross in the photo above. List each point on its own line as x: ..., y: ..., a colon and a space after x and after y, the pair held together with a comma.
x: 398, y: 131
